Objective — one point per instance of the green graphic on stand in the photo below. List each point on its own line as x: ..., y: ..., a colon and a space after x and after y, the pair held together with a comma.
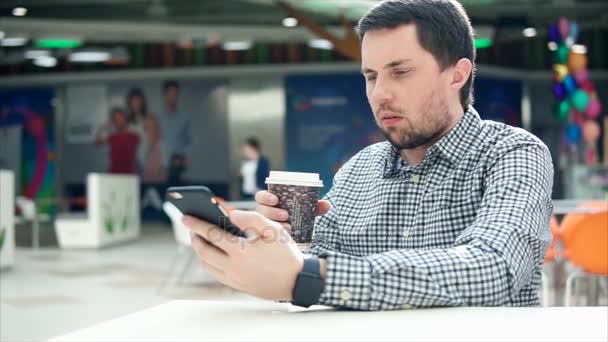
x: 2, y: 234
x: 112, y: 224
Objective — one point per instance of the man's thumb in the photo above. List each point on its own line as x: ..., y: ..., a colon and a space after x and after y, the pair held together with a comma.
x: 323, y: 207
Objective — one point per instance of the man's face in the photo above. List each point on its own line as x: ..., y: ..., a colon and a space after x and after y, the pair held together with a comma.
x: 171, y: 96
x: 405, y: 87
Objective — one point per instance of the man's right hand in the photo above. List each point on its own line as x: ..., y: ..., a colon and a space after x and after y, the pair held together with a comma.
x: 267, y: 206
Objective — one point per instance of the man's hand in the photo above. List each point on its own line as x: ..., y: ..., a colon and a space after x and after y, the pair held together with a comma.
x: 265, y: 266
x: 267, y: 202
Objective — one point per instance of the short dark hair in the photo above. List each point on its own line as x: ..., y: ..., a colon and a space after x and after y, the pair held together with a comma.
x: 116, y: 110
x: 253, y: 143
x: 170, y: 84
x: 443, y: 29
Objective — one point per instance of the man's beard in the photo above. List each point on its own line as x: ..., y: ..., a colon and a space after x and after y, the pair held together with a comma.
x: 410, y: 140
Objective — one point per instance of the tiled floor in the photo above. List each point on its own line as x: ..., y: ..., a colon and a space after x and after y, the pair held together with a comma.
x: 50, y: 292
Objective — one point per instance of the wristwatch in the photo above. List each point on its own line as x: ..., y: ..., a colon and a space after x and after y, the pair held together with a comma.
x: 309, y: 284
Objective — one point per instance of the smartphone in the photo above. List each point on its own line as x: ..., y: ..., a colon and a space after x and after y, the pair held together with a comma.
x: 198, y: 201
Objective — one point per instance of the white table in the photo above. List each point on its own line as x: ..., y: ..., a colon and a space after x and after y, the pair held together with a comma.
x: 268, y: 321
x: 567, y: 206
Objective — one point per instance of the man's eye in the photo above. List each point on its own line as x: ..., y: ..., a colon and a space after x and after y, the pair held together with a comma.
x: 370, y: 78
x: 400, y: 72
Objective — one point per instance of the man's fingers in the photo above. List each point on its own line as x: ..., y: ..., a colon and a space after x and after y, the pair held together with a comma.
x: 323, y: 207
x: 212, y: 234
x: 209, y: 253
x: 286, y: 226
x: 250, y: 221
x: 266, y: 198
x: 272, y: 213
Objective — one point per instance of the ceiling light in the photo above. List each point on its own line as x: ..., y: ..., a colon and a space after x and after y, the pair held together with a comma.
x: 89, y: 56
x: 320, y: 44
x: 33, y: 54
x: 58, y: 43
x: 482, y: 43
x: 45, y: 61
x: 19, y: 11
x: 529, y: 32
x: 13, y: 41
x: 290, y: 22
x: 237, y: 45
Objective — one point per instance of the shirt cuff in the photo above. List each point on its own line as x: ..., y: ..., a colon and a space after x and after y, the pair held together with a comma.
x: 348, y: 281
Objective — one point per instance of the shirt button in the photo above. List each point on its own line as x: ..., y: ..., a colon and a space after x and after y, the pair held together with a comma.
x: 345, y: 295
x: 406, y: 234
x: 406, y: 306
x: 415, y: 179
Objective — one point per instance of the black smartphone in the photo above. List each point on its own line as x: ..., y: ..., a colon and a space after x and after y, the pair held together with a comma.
x: 198, y: 201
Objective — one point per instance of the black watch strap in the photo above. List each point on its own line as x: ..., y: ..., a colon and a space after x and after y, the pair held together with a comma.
x: 309, y: 284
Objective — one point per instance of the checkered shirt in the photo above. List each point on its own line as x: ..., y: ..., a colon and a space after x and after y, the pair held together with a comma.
x: 467, y: 226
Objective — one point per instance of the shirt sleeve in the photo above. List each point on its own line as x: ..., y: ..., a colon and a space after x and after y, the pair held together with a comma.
x: 490, y: 261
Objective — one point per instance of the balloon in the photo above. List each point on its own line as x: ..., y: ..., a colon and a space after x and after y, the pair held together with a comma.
x: 576, y: 117
x: 587, y: 86
x: 580, y: 99
x: 559, y: 91
x: 574, y: 31
x: 577, y: 61
x: 591, y: 131
x: 561, y: 71
x: 563, y: 109
x: 564, y: 27
x: 561, y: 55
x: 590, y: 156
x: 594, y: 108
x: 581, y: 75
x: 554, y: 33
x: 573, y: 133
x: 569, y: 84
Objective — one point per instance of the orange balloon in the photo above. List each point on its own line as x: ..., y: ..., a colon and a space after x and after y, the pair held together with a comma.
x: 577, y: 61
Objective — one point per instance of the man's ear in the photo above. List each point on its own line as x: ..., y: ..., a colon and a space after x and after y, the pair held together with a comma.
x: 462, y: 72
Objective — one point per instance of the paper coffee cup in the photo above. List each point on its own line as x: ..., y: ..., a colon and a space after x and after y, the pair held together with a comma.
x: 298, y: 193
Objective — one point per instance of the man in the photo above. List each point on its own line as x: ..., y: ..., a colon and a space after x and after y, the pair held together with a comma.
x: 451, y: 210
x: 175, y: 126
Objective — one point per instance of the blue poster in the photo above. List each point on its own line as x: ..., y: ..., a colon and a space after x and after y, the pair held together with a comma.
x: 32, y: 109
x: 328, y: 121
x: 498, y: 100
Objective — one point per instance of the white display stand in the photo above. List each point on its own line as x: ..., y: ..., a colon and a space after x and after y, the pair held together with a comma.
x: 194, y: 320
x: 7, y: 219
x: 113, y: 214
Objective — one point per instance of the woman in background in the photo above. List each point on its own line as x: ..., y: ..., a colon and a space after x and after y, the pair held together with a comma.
x: 254, y: 169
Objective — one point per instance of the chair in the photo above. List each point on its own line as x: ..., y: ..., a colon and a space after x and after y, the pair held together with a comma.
x: 584, y: 237
x: 112, y: 216
x: 549, y: 258
x: 182, y: 237
x: 7, y: 219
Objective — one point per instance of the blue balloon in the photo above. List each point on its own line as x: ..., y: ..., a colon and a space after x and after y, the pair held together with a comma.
x: 569, y: 84
x: 574, y: 31
x: 573, y: 133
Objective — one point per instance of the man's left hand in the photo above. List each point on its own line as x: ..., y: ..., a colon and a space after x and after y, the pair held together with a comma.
x: 265, y: 266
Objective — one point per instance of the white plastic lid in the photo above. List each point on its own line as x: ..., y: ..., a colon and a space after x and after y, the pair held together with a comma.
x: 294, y: 178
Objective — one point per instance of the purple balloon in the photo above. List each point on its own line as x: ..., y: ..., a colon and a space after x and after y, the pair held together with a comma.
x: 559, y: 91
x: 554, y: 33
x: 581, y: 75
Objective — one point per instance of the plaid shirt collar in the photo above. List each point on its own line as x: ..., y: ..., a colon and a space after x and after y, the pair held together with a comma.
x: 451, y: 147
